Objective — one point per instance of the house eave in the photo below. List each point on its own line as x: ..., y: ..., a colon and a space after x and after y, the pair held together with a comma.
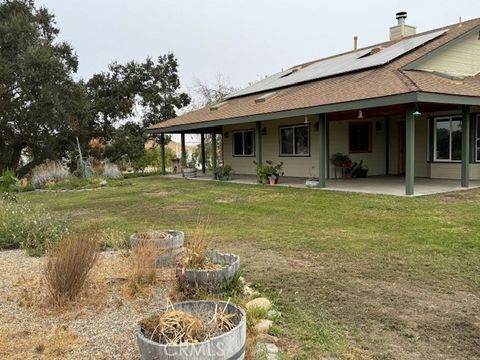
x: 399, y: 99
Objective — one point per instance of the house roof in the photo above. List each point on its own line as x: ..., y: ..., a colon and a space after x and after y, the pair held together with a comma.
x: 388, y: 79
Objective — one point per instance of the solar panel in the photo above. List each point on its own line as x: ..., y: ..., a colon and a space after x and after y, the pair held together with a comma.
x: 337, y: 65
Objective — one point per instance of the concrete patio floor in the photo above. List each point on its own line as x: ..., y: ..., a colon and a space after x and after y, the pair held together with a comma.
x: 380, y: 185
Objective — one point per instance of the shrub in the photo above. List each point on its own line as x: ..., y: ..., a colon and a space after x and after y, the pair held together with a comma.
x: 142, y: 269
x: 67, y: 267
x: 223, y: 172
x: 31, y: 228
x: 196, y: 249
x: 9, y: 185
x: 112, y: 171
x: 113, y: 239
x: 49, y: 172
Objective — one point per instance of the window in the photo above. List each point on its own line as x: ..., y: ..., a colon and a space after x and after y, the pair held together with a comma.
x: 360, y: 137
x: 448, y: 139
x: 477, y: 139
x: 243, y: 143
x: 295, y: 140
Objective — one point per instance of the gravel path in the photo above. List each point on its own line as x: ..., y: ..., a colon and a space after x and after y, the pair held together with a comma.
x: 99, y: 326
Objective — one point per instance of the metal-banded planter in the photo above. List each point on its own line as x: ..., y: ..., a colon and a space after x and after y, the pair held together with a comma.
x: 228, y: 346
x: 171, y: 246
x: 214, y: 280
x: 189, y: 172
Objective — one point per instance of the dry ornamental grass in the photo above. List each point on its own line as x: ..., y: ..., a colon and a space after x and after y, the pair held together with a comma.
x: 179, y: 327
x: 142, y: 269
x: 68, y: 266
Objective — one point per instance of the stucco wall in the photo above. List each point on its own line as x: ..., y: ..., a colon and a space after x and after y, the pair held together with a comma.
x: 338, y: 136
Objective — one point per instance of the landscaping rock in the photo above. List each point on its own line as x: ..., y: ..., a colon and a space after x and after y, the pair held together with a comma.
x: 266, y: 338
x: 103, y: 183
x: 263, y: 326
x: 266, y: 351
x: 273, y: 314
x: 259, y: 303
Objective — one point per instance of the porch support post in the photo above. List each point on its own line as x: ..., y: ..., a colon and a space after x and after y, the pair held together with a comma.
x: 322, y: 150
x: 409, y: 151
x: 214, y: 152
x: 465, y: 146
x: 202, y: 150
x: 258, y: 142
x: 183, y: 160
x: 162, y: 153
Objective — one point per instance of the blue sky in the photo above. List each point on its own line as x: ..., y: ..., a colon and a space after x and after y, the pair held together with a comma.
x: 241, y: 39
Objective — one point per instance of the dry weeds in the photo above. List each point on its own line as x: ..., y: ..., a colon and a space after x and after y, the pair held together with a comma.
x: 68, y: 266
x: 178, y: 327
x: 142, y: 269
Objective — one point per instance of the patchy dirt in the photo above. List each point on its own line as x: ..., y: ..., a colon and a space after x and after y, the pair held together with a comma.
x: 465, y: 196
x: 162, y: 193
x: 99, y: 325
x: 386, y: 315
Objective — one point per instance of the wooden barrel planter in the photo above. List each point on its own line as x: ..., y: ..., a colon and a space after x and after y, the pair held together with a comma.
x: 170, y: 243
x: 189, y: 172
x: 227, y: 346
x: 212, y: 280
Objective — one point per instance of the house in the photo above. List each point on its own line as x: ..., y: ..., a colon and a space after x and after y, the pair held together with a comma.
x: 407, y: 107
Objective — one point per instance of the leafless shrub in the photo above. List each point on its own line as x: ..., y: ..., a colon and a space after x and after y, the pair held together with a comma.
x: 196, y: 249
x: 49, y: 172
x: 142, y: 269
x: 68, y: 265
x: 112, y: 171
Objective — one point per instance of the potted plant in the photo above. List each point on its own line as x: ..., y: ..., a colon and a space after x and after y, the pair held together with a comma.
x: 194, y: 330
x: 223, y: 172
x: 190, y: 168
x: 312, y: 181
x: 359, y: 170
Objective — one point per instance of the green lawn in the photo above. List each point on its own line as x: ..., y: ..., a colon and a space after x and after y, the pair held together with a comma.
x: 356, y: 276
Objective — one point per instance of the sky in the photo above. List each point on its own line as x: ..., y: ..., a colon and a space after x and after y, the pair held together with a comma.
x: 241, y: 40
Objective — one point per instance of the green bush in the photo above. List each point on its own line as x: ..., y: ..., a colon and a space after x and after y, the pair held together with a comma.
x: 32, y: 229
x: 9, y: 185
x: 223, y: 172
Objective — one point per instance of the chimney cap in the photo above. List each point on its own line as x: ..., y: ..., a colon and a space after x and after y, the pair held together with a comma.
x: 401, y: 15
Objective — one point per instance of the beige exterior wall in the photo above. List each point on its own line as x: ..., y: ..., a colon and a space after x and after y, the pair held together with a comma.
x: 461, y: 58
x: 338, y: 139
x: 374, y: 160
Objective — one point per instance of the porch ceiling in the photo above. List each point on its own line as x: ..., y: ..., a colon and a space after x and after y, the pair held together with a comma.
x: 389, y: 105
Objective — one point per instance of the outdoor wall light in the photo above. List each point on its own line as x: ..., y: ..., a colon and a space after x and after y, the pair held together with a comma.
x: 264, y: 131
x: 416, y: 113
x: 378, y: 126
x: 317, y: 125
x: 225, y: 134
x: 360, y: 114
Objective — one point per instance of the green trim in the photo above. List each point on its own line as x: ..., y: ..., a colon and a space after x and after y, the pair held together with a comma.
x: 322, y: 150
x: 410, y: 151
x: 408, y: 98
x: 465, y: 146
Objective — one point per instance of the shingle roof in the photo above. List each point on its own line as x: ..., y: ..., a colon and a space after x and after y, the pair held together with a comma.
x: 386, y: 80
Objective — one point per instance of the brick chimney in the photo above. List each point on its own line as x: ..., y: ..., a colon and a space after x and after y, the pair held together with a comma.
x: 401, y: 30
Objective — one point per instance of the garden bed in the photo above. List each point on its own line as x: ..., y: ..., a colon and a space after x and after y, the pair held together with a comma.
x: 98, y: 325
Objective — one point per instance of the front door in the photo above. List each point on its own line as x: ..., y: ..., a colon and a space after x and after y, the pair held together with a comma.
x: 401, y: 148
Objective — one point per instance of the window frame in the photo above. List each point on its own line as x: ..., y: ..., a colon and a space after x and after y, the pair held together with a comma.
x: 450, y: 119
x: 243, y: 142
x: 476, y: 137
x: 293, y: 127
x: 370, y: 137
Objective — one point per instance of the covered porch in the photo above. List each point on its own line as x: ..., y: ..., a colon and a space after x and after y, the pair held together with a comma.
x: 400, y: 153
